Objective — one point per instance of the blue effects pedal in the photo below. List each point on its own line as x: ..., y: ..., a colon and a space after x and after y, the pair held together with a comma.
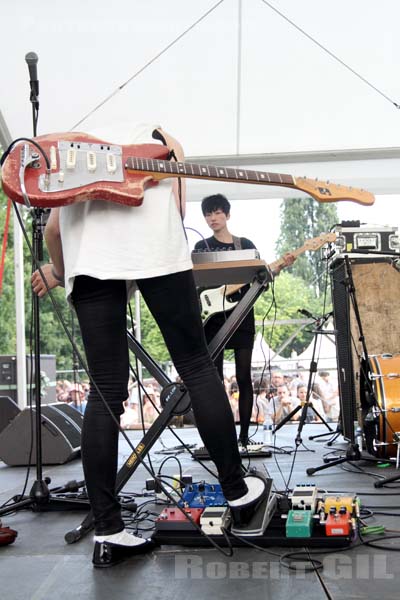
x: 202, y: 495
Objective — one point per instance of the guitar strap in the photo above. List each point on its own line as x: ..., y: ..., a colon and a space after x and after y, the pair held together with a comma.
x: 237, y: 242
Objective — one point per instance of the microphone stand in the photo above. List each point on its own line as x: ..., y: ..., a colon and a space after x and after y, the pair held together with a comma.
x: 304, y: 406
x: 39, y: 497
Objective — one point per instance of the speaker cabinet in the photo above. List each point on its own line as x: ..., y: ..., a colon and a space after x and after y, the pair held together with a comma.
x: 8, y: 376
x: 8, y: 410
x: 377, y: 289
x: 61, y: 427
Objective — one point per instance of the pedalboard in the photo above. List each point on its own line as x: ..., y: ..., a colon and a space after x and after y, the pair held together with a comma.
x: 252, y: 451
x: 304, y: 517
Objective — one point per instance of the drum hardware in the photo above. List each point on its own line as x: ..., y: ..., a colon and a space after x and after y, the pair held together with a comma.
x: 381, y: 421
x: 396, y: 442
x: 397, y: 436
x: 373, y: 376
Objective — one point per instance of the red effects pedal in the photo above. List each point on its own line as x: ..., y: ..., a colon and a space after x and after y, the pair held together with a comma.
x: 175, y: 519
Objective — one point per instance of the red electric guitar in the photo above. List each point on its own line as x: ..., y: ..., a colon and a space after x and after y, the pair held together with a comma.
x: 84, y: 168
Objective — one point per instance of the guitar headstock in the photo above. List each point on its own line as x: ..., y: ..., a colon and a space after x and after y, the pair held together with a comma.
x: 324, y: 191
x: 318, y: 242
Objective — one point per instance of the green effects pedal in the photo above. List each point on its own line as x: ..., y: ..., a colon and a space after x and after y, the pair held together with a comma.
x: 299, y: 524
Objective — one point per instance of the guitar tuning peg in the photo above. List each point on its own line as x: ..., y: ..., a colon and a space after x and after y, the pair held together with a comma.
x: 327, y: 182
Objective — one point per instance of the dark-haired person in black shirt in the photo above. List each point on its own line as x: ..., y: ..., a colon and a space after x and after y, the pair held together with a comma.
x: 216, y: 210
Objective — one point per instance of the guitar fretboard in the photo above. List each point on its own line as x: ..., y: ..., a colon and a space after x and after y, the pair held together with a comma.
x: 193, y: 170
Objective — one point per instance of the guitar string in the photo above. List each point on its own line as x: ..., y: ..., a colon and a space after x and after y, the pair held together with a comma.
x: 146, y: 65
x: 331, y: 54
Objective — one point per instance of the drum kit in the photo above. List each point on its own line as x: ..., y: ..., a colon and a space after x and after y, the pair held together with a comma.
x: 380, y: 405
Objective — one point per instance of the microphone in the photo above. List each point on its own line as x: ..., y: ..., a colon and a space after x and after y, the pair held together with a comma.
x: 305, y: 312
x: 32, y: 60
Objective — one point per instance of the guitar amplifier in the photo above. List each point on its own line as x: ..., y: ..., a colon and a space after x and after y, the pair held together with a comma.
x: 360, y: 239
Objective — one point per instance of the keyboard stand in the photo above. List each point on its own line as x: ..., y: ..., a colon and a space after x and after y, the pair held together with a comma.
x: 174, y: 397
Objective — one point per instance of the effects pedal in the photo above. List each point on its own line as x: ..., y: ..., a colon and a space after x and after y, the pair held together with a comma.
x: 299, y: 523
x: 202, y: 495
x: 262, y: 516
x: 173, y: 519
x: 338, y: 523
x: 304, y: 497
x: 214, y: 519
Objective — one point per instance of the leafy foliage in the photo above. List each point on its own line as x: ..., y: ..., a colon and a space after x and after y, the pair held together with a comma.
x: 282, y: 302
x: 303, y: 219
x: 53, y: 340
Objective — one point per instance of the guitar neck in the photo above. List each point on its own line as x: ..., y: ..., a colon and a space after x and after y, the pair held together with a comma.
x: 281, y: 262
x: 319, y: 190
x: 165, y: 168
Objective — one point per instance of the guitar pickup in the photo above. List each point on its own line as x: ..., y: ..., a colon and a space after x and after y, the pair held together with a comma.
x: 71, y: 159
x: 91, y: 161
x: 53, y: 158
x: 111, y: 163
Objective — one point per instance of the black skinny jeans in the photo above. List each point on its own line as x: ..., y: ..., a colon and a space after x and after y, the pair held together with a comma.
x: 245, y: 386
x: 101, y: 310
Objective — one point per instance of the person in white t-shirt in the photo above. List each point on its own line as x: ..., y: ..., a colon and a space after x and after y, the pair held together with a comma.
x: 102, y: 251
x: 285, y: 403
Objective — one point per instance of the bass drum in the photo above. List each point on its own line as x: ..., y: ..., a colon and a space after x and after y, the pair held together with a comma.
x: 380, y: 380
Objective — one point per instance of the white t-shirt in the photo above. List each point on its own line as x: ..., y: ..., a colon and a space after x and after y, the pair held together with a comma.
x: 107, y: 240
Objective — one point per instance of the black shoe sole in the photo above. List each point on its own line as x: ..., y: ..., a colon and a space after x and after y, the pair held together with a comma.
x: 106, y: 554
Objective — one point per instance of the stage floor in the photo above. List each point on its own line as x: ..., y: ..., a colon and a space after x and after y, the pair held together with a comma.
x: 39, y: 565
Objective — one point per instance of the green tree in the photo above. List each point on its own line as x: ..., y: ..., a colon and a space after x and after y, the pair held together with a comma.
x: 302, y: 219
x: 7, y: 302
x: 151, y: 336
x: 53, y: 339
x: 282, y: 302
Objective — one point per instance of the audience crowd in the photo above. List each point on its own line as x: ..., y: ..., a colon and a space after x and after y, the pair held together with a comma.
x: 276, y: 395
